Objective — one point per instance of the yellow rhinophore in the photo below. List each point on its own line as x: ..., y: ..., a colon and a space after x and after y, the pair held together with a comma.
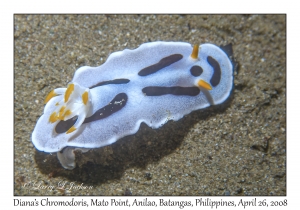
x: 205, y: 85
x: 195, y: 52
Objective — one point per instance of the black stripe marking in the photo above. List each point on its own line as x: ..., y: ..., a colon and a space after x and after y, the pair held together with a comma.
x: 115, y: 81
x: 175, y: 90
x: 115, y: 105
x: 196, y: 71
x: 166, y: 61
x: 64, y: 126
x: 216, y: 77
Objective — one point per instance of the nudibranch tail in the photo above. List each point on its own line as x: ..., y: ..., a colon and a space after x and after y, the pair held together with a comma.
x: 76, y: 101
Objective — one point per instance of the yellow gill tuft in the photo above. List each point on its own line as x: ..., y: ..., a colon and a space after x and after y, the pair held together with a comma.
x: 85, y: 97
x: 68, y: 92
x: 49, y: 96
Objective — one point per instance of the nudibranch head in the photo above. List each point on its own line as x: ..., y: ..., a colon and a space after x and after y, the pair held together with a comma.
x: 76, y: 101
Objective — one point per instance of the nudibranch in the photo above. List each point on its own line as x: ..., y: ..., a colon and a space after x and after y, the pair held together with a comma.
x: 157, y: 82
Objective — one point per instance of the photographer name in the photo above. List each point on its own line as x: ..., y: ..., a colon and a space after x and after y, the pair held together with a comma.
x: 64, y: 185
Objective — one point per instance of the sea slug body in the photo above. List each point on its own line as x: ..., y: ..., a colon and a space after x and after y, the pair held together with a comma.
x: 156, y: 82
